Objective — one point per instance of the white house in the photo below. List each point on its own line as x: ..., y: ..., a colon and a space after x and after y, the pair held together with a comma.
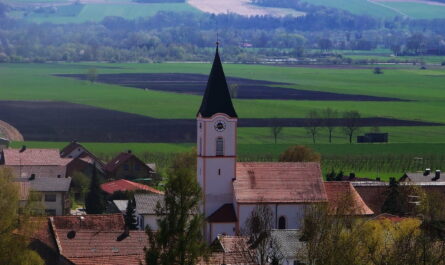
x: 232, y: 190
x: 146, y: 209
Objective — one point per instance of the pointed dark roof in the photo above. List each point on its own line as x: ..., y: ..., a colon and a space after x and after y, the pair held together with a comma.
x: 217, y: 97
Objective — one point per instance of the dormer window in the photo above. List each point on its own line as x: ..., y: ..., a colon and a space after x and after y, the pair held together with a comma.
x: 219, y: 146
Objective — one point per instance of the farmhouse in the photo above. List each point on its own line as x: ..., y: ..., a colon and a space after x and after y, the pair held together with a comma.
x: 52, y: 192
x: 82, y: 159
x: 128, y: 166
x: 233, y: 190
x: 32, y: 162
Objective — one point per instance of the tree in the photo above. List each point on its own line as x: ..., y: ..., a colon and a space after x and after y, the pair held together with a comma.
x: 299, y: 153
x: 276, y: 130
x: 179, y: 239
x: 80, y: 184
x: 329, y: 121
x: 14, y: 229
x: 258, y: 227
x: 130, y: 215
x: 325, y: 44
x: 95, y: 201
x: 313, y: 124
x: 3, y: 9
x: 92, y: 75
x: 351, y: 125
x: 378, y: 71
x: 416, y: 43
x: 233, y: 89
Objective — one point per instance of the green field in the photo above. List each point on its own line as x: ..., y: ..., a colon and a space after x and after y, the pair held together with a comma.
x: 96, y: 12
x: 424, y: 88
x: 385, y: 9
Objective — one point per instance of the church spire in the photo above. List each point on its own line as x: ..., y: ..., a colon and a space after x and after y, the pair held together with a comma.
x: 216, y: 96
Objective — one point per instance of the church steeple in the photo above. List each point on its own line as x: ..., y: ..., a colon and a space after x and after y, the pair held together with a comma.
x: 217, y: 97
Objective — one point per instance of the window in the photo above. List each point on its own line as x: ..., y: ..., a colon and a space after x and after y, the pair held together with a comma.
x: 282, y: 223
x: 50, y: 197
x: 219, y: 146
x: 219, y: 171
x: 50, y: 212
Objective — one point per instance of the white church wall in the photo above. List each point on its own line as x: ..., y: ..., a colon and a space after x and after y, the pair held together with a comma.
x: 293, y: 213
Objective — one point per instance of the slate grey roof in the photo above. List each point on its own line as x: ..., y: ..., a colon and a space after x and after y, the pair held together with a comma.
x: 146, y: 203
x: 288, y: 241
x: 43, y: 184
x: 216, y: 97
x: 419, y: 177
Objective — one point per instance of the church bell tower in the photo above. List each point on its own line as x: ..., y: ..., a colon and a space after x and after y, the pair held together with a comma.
x: 216, y: 141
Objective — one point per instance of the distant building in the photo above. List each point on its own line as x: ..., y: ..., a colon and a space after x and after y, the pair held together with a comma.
x: 425, y: 176
x: 373, y: 138
x: 33, y: 162
x: 128, y: 166
x: 146, y: 209
x: 83, y: 159
x: 52, y: 192
x: 344, y: 199
x: 289, y: 247
x: 117, y: 206
x: 230, y: 250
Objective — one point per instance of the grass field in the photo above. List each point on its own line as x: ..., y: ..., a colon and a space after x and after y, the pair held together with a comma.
x: 385, y: 9
x: 425, y: 89
x: 97, y: 12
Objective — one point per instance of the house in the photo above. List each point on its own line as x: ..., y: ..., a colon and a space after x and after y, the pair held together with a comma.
x: 232, y: 190
x: 128, y: 166
x: 425, y: 176
x: 89, y: 240
x: 343, y: 199
x: 33, y: 162
x: 230, y: 250
x: 126, y: 185
x: 52, y: 192
x: 146, y: 209
x: 82, y: 159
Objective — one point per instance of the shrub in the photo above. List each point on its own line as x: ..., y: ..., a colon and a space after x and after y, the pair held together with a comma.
x: 378, y: 71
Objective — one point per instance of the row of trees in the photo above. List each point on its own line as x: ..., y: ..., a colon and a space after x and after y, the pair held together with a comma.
x: 330, y: 119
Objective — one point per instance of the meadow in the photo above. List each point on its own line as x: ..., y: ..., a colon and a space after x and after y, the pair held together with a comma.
x: 425, y: 90
x: 385, y: 9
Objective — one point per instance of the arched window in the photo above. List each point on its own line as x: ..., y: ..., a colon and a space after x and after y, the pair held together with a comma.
x: 282, y: 222
x: 219, y: 146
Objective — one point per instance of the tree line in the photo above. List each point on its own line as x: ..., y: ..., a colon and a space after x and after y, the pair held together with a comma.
x: 186, y: 36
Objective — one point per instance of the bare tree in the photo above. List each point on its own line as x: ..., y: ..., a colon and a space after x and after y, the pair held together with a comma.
x: 257, y: 228
x: 351, y: 123
x: 313, y: 124
x: 276, y: 131
x: 329, y: 116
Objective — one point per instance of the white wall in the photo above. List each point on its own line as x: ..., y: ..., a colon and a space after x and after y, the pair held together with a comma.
x: 293, y: 213
x: 58, y: 205
x: 75, y: 153
x: 148, y: 219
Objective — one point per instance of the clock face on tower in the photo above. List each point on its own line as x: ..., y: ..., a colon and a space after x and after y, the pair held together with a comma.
x: 220, y: 125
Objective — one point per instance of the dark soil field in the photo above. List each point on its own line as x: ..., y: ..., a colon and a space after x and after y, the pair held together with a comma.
x: 61, y: 121
x: 196, y: 83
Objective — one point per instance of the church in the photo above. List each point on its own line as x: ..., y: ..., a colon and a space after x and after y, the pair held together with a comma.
x: 231, y: 189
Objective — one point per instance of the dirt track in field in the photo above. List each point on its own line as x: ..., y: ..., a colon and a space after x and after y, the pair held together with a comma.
x: 61, y: 121
x: 196, y: 83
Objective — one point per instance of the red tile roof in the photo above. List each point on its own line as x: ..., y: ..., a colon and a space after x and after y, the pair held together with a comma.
x: 225, y: 214
x: 101, y: 222
x: 34, y: 157
x: 97, y: 243
x: 286, y: 182
x: 124, y: 185
x: 230, y: 250
x: 110, y: 260
x: 340, y: 192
